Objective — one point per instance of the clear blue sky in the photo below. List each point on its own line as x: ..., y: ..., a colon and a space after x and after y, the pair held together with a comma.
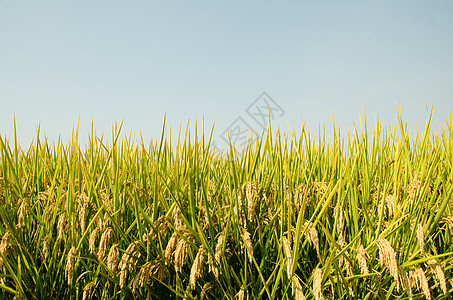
x: 136, y: 61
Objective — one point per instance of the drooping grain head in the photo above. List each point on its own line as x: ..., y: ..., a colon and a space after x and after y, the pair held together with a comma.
x: 143, y: 277
x: 70, y: 263
x: 449, y: 221
x: 179, y: 221
x: 311, y: 234
x: 251, y: 192
x: 113, y: 258
x: 83, y: 214
x: 219, y: 248
x: 22, y: 213
x: 158, y: 269
x: 413, y: 188
x: 437, y: 269
x: 206, y: 287
x: 405, y: 282
x: 248, y: 245
x: 418, y: 279
x: 212, y: 188
x: 181, y: 254
x: 317, y: 284
x: 212, y: 266
x: 239, y: 213
x: 4, y: 246
x: 106, y: 237
x: 289, y: 200
x: 92, y: 240
x: 390, y: 201
x: 45, y: 247
x: 344, y: 261
x: 420, y: 237
x: 171, y: 246
x: 127, y: 262
x: 301, y: 193
x: 288, y: 255
x: 87, y: 290
x: 362, y: 259
x: 197, y: 268
x: 340, y: 229
x: 297, y: 289
x: 320, y: 188
x: 387, y: 256
x: 61, y: 225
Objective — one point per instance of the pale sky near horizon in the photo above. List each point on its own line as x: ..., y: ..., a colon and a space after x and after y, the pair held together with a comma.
x: 137, y: 61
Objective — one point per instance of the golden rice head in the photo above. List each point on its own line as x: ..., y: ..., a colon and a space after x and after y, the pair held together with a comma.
x: 297, y: 289
x: 4, y: 246
x: 418, y: 279
x: 251, y: 190
x: 22, y: 213
x: 405, y: 282
x: 288, y: 255
x: 87, y: 290
x: 181, y: 254
x: 161, y: 226
x: 127, y: 262
x: 449, y: 221
x: 212, y: 188
x: 206, y: 287
x: 212, y: 266
x: 92, y: 240
x: 106, y: 237
x: 340, y: 223
x: 320, y: 188
x: 412, y: 189
x: 362, y: 259
x: 197, y: 268
x: 437, y: 269
x: 344, y: 261
x: 49, y: 211
x: 289, y: 201
x: 420, y: 237
x: 171, y: 246
x: 241, y: 294
x: 70, y: 263
x: 158, y: 269
x: 61, y: 225
x: 204, y: 221
x: 387, y: 256
x: 83, y: 215
x: 302, y: 192
x: 317, y: 284
x: 45, y: 247
x: 113, y: 258
x: 270, y: 208
x: 248, y: 245
x: 143, y: 277
x: 219, y: 247
x: 179, y: 221
x: 390, y: 204
x: 239, y: 213
x: 311, y: 234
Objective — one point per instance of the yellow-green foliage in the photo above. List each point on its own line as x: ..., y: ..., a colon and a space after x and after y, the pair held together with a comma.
x: 361, y: 217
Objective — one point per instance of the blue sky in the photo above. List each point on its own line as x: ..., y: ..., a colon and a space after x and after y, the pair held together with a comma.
x: 136, y: 61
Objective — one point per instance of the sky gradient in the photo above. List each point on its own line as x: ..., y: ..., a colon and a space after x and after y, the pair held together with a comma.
x: 137, y: 61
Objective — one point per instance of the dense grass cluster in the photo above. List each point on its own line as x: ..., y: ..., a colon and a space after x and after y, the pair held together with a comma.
x: 360, y: 217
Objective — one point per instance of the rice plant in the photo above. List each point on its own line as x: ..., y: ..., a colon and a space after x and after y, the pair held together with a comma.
x: 364, y: 216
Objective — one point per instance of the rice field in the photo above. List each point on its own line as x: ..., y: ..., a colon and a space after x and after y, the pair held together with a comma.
x: 366, y: 215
